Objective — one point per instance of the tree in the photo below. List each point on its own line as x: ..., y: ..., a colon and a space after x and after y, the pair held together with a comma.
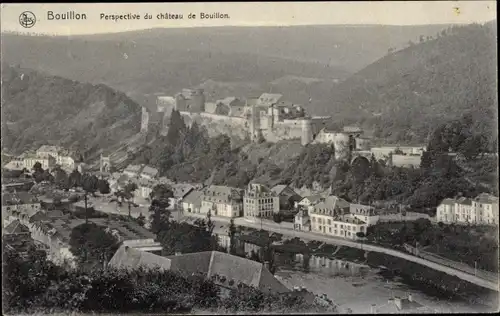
x: 103, y: 186
x: 141, y: 220
x: 90, y: 241
x: 89, y: 185
x: 232, y: 237
x: 37, y: 167
x: 129, y: 190
x: 61, y: 178
x: 38, y: 172
x: 159, y: 213
x: 175, y: 128
x: 75, y: 179
x: 277, y: 217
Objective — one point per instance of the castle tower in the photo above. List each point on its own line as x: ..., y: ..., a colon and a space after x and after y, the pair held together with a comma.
x: 144, y: 120
x: 104, y: 163
x: 197, y: 100
x: 307, y: 133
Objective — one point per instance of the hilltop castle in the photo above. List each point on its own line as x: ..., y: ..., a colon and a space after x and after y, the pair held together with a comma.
x: 268, y: 117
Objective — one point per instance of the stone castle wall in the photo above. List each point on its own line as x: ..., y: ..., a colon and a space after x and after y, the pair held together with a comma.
x: 240, y: 127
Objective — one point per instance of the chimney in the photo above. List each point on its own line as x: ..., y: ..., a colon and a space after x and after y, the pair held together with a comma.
x: 410, y: 297
x: 126, y: 248
x: 178, y: 253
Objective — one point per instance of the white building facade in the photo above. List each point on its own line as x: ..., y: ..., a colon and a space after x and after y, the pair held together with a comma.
x: 260, y: 201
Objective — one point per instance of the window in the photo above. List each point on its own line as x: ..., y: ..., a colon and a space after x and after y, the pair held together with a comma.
x: 329, y: 223
x: 329, y: 229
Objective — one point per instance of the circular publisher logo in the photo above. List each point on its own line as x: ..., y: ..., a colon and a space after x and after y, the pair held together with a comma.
x: 27, y: 19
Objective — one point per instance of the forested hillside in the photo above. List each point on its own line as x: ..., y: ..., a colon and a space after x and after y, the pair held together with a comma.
x: 38, y: 109
x: 240, y: 61
x: 406, y: 94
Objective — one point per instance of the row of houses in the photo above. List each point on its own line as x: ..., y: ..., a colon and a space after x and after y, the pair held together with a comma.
x: 482, y: 209
x: 328, y: 215
x: 256, y: 201
x: 48, y: 157
x: 53, y: 228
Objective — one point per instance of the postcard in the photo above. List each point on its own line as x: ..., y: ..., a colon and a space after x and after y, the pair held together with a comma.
x: 250, y: 157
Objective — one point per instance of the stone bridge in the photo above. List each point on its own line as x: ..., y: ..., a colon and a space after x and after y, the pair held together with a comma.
x: 361, y: 154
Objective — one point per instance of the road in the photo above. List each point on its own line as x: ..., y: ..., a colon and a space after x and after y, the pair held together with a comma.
x: 343, y: 242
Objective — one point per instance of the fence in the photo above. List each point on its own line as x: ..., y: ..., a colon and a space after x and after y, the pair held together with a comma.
x: 486, y: 275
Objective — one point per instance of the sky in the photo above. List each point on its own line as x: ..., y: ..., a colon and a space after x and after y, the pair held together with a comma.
x: 246, y: 14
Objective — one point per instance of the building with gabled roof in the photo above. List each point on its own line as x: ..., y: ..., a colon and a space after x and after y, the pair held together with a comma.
x: 16, y: 228
x: 191, y: 203
x: 480, y: 210
x: 486, y: 205
x: 286, y: 195
x: 132, y: 171
x: 148, y: 172
x: 308, y: 201
x: 260, y: 201
x: 222, y: 201
x: 269, y: 99
x: 225, y: 270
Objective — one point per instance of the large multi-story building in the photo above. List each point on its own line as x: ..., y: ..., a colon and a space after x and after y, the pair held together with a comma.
x: 345, y: 226
x: 47, y: 162
x: 222, y: 201
x: 487, y: 205
x: 63, y: 157
x: 260, y: 201
x: 365, y: 213
x: 481, y: 210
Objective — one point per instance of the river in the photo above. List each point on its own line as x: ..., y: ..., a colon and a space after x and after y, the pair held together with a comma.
x: 355, y: 287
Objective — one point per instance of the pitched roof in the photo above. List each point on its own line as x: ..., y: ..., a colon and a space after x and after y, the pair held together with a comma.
x: 18, y: 198
x: 150, y: 171
x: 49, y: 148
x: 208, y: 263
x: 38, y: 217
x: 464, y: 201
x: 486, y: 198
x: 278, y: 189
x: 269, y: 98
x: 127, y: 230
x: 181, y: 189
x: 313, y: 198
x: 129, y: 258
x: 227, y: 100
x: 331, y: 205
x: 448, y: 201
x: 16, y: 228
x: 349, y: 218
x: 194, y: 197
x: 133, y: 168
x: 223, y: 193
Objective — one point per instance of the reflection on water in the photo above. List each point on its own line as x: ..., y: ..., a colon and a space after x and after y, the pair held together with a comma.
x: 304, y: 262
x: 320, y: 265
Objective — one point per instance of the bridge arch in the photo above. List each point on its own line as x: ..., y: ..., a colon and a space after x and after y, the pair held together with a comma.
x: 355, y: 158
